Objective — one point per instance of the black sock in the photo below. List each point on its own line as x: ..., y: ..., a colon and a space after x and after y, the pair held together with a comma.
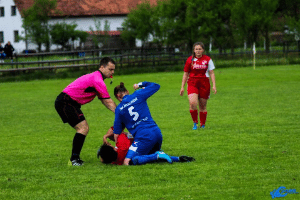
x: 77, y: 145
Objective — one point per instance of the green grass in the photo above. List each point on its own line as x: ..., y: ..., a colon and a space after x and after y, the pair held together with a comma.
x: 250, y: 145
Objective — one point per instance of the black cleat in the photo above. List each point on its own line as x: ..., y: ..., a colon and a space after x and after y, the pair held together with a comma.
x: 76, y: 162
x: 186, y: 159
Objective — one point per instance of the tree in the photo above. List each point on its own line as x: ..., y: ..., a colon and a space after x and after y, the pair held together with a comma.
x: 35, y: 22
x: 175, y: 27
x: 211, y: 20
x: 82, y: 35
x: 252, y: 17
x: 289, y: 10
x: 100, y: 37
x: 138, y: 23
x: 61, y: 33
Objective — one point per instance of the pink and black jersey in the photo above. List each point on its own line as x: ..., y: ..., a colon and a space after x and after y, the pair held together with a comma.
x: 198, y: 67
x: 84, y: 89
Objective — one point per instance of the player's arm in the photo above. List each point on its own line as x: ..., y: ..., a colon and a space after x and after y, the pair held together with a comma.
x: 109, y: 103
x: 186, y: 73
x: 109, y: 135
x: 118, y: 125
x: 211, y: 68
x: 213, y: 80
x: 184, y: 80
x: 149, y: 88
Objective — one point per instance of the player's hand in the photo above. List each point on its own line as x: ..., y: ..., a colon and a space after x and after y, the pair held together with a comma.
x: 214, y: 90
x: 181, y: 91
x: 135, y: 86
x: 106, y: 142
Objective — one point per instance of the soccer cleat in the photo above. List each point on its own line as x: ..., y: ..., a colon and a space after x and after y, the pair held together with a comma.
x: 162, y: 155
x: 76, y: 162
x: 195, y: 126
x: 202, y: 126
x: 186, y: 159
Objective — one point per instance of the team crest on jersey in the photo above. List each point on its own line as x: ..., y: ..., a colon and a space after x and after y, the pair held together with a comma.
x: 203, y: 65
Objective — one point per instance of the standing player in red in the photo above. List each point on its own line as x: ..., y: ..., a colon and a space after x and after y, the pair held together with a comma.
x: 197, y: 70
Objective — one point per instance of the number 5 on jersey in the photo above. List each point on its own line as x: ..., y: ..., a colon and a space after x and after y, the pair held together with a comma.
x: 135, y: 114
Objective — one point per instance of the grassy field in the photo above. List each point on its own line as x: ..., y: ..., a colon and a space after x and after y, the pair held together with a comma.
x: 250, y: 145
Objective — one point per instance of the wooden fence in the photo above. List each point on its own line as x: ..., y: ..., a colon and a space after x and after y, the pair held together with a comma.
x: 128, y: 58
x: 89, y: 59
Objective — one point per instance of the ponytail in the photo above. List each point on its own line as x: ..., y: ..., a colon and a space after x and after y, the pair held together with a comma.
x: 119, y: 89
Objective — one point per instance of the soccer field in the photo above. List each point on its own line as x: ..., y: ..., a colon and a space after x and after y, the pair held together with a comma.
x: 249, y: 148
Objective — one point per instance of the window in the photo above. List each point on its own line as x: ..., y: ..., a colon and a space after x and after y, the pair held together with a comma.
x: 1, y: 37
x: 16, y: 36
x: 13, y: 11
x: 1, y: 11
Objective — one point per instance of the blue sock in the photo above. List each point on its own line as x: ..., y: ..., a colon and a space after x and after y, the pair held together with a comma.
x: 139, y: 160
x: 174, y: 158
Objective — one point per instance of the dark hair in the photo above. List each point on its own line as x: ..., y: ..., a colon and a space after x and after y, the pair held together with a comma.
x: 193, y: 52
x: 119, y: 88
x: 104, y: 61
x: 107, y: 153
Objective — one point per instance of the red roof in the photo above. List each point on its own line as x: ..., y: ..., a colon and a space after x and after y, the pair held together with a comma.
x: 88, y: 7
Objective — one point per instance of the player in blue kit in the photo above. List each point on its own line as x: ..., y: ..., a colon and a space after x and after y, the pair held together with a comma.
x: 134, y: 114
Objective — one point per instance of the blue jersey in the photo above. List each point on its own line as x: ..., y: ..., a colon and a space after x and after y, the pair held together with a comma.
x: 133, y: 111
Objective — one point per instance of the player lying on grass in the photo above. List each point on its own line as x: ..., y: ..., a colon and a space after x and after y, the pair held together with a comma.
x: 116, y: 155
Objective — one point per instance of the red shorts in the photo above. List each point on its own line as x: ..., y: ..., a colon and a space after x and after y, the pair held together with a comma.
x: 200, y: 86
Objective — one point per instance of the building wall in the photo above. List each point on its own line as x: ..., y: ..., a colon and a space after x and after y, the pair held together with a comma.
x: 86, y: 24
x: 9, y: 24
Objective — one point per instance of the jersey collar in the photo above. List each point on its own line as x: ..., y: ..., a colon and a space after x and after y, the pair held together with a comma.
x: 103, y: 77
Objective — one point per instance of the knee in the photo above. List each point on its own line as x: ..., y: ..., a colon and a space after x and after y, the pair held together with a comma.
x: 83, y: 130
x: 193, y: 106
x: 202, y: 108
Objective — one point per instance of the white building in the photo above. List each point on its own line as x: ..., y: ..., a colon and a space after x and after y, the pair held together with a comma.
x: 10, y: 25
x: 83, y: 13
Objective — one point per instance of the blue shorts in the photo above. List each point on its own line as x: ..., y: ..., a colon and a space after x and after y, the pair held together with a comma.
x: 146, y: 141
x: 2, y: 55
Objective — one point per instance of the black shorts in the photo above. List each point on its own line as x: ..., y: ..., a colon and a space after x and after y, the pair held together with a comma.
x: 68, y: 109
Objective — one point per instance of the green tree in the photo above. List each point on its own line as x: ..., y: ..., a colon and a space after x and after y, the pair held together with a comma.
x: 211, y: 20
x: 100, y: 36
x: 61, y: 33
x: 289, y: 10
x: 35, y: 22
x: 82, y: 35
x: 253, y: 17
x: 138, y: 23
x: 174, y: 25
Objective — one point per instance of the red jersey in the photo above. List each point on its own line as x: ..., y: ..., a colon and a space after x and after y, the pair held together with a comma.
x: 123, y: 144
x: 200, y: 66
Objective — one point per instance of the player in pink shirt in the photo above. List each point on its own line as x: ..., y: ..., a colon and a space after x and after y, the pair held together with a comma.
x: 197, y: 70
x: 82, y: 91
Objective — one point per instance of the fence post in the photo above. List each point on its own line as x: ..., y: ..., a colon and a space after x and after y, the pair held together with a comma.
x: 153, y: 59
x: 38, y: 60
x: 121, y: 61
x: 93, y: 54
